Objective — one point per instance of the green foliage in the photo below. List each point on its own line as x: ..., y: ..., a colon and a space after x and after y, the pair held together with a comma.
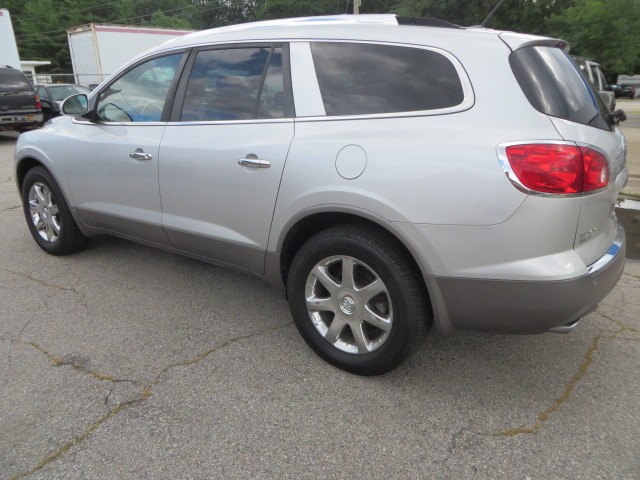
x: 607, y: 31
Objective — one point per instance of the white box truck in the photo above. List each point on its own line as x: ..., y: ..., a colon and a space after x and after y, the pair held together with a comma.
x: 97, y: 50
x: 8, y: 48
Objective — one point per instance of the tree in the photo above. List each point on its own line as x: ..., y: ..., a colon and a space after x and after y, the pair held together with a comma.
x: 607, y: 32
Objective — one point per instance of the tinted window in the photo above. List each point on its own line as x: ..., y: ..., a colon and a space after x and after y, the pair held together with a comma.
x: 140, y: 94
x: 555, y: 86
x: 13, y: 81
x: 272, y: 95
x: 359, y: 79
x: 228, y: 85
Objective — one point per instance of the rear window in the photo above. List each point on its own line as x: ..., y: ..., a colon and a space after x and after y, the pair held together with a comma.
x: 13, y: 81
x: 358, y: 78
x: 555, y: 86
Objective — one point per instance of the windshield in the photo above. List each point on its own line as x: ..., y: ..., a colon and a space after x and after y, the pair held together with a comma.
x: 13, y: 81
x: 60, y: 92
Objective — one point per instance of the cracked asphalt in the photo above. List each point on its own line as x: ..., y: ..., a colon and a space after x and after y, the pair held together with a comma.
x: 128, y: 362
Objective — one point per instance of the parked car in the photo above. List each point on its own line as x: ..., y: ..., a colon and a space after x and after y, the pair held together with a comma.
x: 20, y: 108
x: 629, y: 91
x: 369, y: 167
x: 624, y: 90
x: 593, y: 71
x: 52, y: 95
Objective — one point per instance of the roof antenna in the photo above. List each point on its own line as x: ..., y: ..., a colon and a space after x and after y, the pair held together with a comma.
x: 486, y: 20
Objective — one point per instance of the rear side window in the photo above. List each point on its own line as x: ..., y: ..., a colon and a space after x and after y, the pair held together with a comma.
x: 359, y: 79
x: 555, y: 86
x: 13, y: 81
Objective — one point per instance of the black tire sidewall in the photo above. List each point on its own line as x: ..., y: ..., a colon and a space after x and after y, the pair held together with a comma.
x: 401, y: 337
x: 67, y: 223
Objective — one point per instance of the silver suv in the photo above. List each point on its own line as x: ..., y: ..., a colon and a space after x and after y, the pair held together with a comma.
x: 388, y: 173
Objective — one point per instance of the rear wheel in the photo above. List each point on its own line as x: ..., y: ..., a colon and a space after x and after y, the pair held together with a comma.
x: 48, y: 216
x: 357, y: 299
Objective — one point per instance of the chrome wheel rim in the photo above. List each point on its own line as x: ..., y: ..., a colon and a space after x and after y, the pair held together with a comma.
x: 43, y: 209
x: 349, y: 304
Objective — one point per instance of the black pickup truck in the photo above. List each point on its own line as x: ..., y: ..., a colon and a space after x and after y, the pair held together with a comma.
x: 20, y: 108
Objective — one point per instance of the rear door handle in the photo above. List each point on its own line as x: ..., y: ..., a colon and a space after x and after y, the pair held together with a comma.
x: 254, y: 163
x: 140, y: 155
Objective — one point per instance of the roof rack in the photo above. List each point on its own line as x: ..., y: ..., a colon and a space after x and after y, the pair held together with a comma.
x: 425, y: 22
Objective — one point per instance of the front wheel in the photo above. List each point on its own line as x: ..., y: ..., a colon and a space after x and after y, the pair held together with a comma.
x: 357, y: 299
x: 48, y: 216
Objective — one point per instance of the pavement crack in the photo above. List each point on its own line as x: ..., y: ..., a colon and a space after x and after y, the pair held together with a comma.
x: 57, y: 361
x: 566, y: 394
x: 623, y: 327
x: 144, y: 395
x: 42, y: 282
x: 78, y: 439
x: 12, y: 207
x: 205, y: 353
x: 453, y: 444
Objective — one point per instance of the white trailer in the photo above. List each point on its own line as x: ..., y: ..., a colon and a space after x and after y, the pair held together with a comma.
x: 8, y: 48
x: 97, y: 51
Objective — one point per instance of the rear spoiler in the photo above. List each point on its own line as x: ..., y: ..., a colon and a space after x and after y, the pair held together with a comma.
x: 518, y: 40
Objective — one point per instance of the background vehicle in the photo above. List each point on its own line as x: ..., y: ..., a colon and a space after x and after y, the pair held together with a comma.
x: 593, y: 72
x: 20, y: 108
x: 52, y: 95
x: 367, y: 165
x: 99, y: 50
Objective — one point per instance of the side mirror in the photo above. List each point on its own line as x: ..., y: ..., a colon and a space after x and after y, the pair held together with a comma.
x: 46, y: 102
x: 618, y: 116
x: 75, y: 105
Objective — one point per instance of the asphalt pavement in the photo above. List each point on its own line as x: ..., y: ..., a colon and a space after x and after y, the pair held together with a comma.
x: 125, y: 362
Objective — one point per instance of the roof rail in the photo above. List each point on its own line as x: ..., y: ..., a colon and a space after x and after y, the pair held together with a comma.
x: 426, y: 22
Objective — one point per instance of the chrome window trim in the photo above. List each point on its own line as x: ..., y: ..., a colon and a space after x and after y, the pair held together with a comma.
x: 232, y: 122
x: 510, y: 174
x: 121, y: 124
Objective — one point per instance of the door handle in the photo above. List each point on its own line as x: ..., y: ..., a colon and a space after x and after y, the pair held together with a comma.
x: 140, y: 155
x: 254, y: 163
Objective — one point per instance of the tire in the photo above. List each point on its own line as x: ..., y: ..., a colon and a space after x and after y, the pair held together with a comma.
x: 48, y: 216
x: 381, y: 309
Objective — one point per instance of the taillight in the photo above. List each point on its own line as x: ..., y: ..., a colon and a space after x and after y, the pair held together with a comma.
x: 596, y: 170
x: 38, y: 104
x: 558, y: 168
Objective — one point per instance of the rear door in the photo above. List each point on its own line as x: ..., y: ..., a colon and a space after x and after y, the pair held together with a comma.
x: 223, y: 153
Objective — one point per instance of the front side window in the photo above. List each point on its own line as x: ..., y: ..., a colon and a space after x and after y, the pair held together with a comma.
x: 140, y: 94
x: 42, y: 92
x: 235, y: 84
x: 357, y: 79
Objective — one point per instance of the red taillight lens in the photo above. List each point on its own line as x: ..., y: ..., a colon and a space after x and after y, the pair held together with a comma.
x: 596, y: 170
x: 558, y: 168
x: 38, y: 104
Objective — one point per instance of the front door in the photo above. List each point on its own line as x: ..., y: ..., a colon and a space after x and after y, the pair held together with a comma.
x: 112, y: 165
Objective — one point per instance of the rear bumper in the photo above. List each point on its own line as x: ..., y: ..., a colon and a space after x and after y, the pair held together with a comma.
x: 19, y: 120
x: 508, y: 306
